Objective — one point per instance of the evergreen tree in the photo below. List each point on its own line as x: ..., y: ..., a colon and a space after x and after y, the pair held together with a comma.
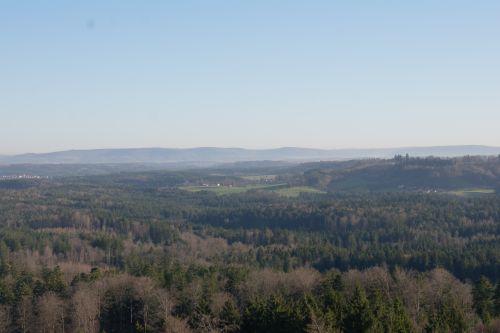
x: 53, y: 280
x: 359, y: 317
x: 482, y: 293
x: 496, y: 300
x: 400, y: 321
x: 230, y: 317
x: 382, y: 313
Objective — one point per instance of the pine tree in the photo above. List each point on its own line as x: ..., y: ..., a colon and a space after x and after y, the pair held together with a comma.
x: 359, y: 317
x: 496, y: 300
x: 381, y: 313
x: 230, y: 317
x: 400, y: 322
x: 482, y: 293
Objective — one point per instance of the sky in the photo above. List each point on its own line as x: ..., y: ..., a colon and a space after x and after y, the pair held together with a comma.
x: 255, y: 74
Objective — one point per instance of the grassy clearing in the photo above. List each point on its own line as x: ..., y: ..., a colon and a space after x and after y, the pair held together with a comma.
x: 224, y: 190
x: 281, y: 189
x: 260, y: 177
x: 473, y: 192
x: 295, y: 191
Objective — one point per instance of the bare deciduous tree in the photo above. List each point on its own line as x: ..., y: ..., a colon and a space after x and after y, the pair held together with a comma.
x: 25, y: 314
x: 5, y: 319
x: 51, y: 314
x: 176, y: 325
x: 86, y: 306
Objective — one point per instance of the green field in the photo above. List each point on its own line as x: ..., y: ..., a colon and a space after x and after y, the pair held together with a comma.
x: 224, y: 190
x: 259, y: 177
x: 281, y: 189
x: 473, y: 192
x: 295, y: 191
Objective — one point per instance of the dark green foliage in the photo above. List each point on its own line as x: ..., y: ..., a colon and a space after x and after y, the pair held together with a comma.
x: 448, y: 315
x: 53, y: 280
x: 122, y: 311
x: 230, y: 317
x: 399, y: 321
x: 484, y: 301
x: 142, y: 254
x: 6, y: 293
x: 359, y: 316
x: 496, y: 300
x: 61, y: 245
x: 93, y: 276
x: 276, y: 315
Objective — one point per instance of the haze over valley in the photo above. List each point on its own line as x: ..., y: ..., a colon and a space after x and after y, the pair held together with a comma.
x: 214, y: 155
x: 250, y: 166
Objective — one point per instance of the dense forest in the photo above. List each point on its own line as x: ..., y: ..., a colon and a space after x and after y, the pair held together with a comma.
x: 405, y: 173
x: 400, y: 245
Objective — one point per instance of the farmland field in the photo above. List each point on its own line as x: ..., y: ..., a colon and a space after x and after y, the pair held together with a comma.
x: 295, y: 191
x: 473, y: 192
x: 224, y: 190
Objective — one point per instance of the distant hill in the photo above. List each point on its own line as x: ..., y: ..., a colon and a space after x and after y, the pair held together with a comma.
x: 426, y: 174
x: 211, y: 155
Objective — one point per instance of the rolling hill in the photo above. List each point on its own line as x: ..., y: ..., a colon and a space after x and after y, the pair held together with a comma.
x: 412, y: 174
x: 211, y: 155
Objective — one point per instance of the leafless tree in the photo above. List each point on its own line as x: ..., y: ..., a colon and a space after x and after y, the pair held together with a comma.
x: 176, y: 325
x: 166, y: 304
x: 146, y: 291
x: 86, y: 306
x: 51, y: 314
x: 25, y: 314
x: 5, y: 319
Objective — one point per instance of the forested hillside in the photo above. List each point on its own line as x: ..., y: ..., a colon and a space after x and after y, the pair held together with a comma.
x: 244, y: 250
x: 405, y: 173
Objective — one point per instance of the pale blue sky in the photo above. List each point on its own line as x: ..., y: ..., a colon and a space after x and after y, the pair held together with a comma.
x: 260, y: 73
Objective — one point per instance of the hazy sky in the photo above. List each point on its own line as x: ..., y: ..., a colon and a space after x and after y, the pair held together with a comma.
x: 259, y: 73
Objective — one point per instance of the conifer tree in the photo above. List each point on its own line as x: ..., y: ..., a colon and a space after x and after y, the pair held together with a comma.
x: 359, y: 317
x: 482, y: 293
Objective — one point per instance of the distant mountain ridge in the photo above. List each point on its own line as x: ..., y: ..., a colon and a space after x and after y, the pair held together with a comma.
x: 227, y: 155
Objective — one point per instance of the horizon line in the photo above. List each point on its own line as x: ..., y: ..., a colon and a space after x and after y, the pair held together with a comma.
x: 246, y: 148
